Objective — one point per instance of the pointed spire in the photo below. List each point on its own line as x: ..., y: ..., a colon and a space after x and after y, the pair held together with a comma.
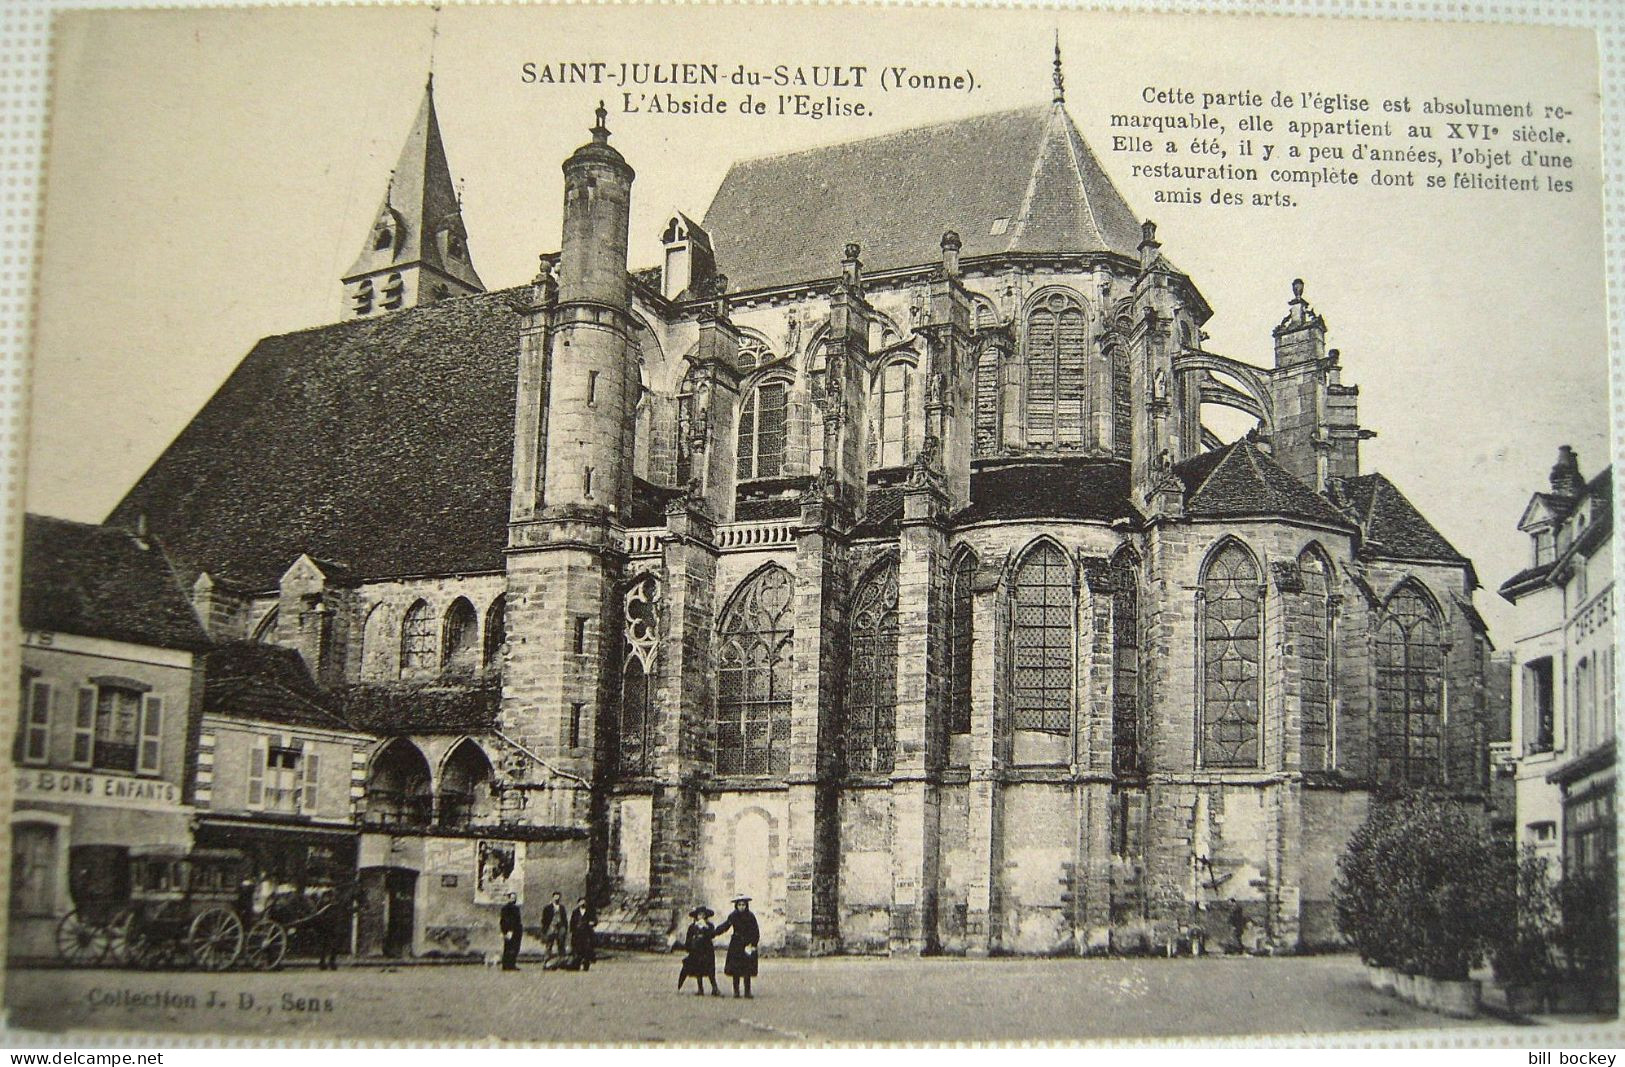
x: 420, y: 220
x: 1060, y: 79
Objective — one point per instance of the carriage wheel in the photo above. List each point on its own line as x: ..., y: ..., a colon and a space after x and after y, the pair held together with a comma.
x: 215, y: 939
x: 120, y: 930
x: 267, y: 944
x: 79, y: 941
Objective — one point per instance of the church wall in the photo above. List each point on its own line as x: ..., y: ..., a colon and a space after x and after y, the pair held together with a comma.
x: 865, y: 889
x: 1329, y: 816
x: 744, y: 851
x: 954, y: 866
x: 381, y: 611
x: 1045, y: 830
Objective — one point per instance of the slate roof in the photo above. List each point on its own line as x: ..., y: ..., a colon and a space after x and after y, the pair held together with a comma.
x: 99, y: 581
x: 384, y: 445
x: 423, y: 708
x: 1239, y: 479
x: 1049, y: 489
x: 785, y: 219
x: 1390, y: 524
x: 266, y: 683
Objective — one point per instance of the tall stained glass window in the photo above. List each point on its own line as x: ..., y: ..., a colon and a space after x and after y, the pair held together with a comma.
x: 1125, y: 582
x: 635, y: 732
x: 959, y: 643
x: 987, y: 400
x: 1231, y: 648
x: 761, y: 431
x: 871, y: 703
x: 1315, y: 660
x: 755, y: 676
x: 1043, y: 609
x: 1410, y: 684
x: 1057, y: 371
x: 893, y: 403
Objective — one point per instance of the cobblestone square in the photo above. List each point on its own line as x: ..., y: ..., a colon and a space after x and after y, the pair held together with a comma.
x: 633, y: 998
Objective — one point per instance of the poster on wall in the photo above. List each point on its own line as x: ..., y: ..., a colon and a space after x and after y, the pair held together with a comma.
x: 498, y: 871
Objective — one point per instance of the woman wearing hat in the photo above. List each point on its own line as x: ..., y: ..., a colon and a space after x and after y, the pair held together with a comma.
x: 701, y: 960
x: 742, y: 949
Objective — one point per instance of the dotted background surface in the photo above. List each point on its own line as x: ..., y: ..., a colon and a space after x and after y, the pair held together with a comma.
x: 25, y: 55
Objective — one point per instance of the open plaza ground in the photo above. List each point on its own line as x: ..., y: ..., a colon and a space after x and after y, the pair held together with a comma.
x: 633, y: 998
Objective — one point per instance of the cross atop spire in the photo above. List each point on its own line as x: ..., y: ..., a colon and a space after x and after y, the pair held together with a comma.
x: 1060, y: 79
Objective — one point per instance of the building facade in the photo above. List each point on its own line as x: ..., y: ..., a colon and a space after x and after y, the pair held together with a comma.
x: 107, y: 730
x: 1564, y: 658
x: 868, y: 556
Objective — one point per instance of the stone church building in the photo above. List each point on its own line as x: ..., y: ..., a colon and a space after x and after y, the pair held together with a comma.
x: 868, y: 556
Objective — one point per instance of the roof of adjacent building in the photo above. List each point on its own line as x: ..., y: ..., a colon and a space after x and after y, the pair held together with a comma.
x: 1390, y: 525
x: 266, y: 683
x: 383, y: 445
x: 424, y: 708
x: 1095, y: 490
x: 101, y: 581
x: 1010, y: 182
x: 1601, y: 527
x: 1241, y: 480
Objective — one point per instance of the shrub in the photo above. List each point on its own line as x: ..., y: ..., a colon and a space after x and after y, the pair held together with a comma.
x: 1424, y: 887
x: 1587, y: 939
x: 1522, y: 954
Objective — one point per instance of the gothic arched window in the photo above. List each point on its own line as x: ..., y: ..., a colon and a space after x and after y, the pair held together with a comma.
x: 892, y: 404
x: 460, y: 641
x: 1231, y: 652
x: 1125, y: 582
x: 755, y: 675
x: 417, y: 639
x: 1057, y: 371
x: 753, y: 353
x: 761, y: 430
x: 871, y: 704
x: 496, y: 630
x: 1044, y: 607
x: 959, y: 643
x: 987, y: 400
x: 687, y: 409
x: 635, y: 733
x: 1410, y: 684
x: 1122, y: 404
x: 1314, y: 643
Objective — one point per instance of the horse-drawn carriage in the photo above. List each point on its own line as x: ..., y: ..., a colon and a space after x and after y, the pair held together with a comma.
x: 171, y: 907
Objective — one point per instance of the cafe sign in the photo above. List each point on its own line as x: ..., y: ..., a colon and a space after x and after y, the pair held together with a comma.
x: 105, y: 790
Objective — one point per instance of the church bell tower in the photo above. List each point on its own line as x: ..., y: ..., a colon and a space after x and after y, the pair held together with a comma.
x: 417, y: 249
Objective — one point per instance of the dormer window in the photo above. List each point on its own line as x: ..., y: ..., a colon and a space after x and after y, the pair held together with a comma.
x: 455, y: 247
x: 1543, y: 548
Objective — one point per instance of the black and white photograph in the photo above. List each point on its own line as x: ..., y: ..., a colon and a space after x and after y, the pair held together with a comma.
x: 923, y: 524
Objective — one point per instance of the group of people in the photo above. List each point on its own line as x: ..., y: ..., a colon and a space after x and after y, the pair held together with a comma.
x: 700, y: 957
x: 567, y: 936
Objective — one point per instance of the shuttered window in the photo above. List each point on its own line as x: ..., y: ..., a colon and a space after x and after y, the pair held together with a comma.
x: 256, y: 773
x: 84, y: 728
x: 36, y: 746
x: 1057, y: 372
x: 152, y: 732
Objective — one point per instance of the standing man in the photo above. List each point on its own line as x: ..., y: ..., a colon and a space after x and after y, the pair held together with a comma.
x: 555, y: 929
x: 582, y: 923
x: 742, y: 949
x: 513, y: 933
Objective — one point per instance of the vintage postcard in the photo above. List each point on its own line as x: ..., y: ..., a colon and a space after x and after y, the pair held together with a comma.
x: 815, y: 524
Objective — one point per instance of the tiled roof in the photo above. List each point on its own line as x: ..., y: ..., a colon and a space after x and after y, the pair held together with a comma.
x: 1239, y: 479
x: 1049, y: 489
x: 383, y: 444
x: 426, y: 708
x: 266, y: 683
x: 1015, y: 181
x: 99, y: 581
x: 1391, y: 525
